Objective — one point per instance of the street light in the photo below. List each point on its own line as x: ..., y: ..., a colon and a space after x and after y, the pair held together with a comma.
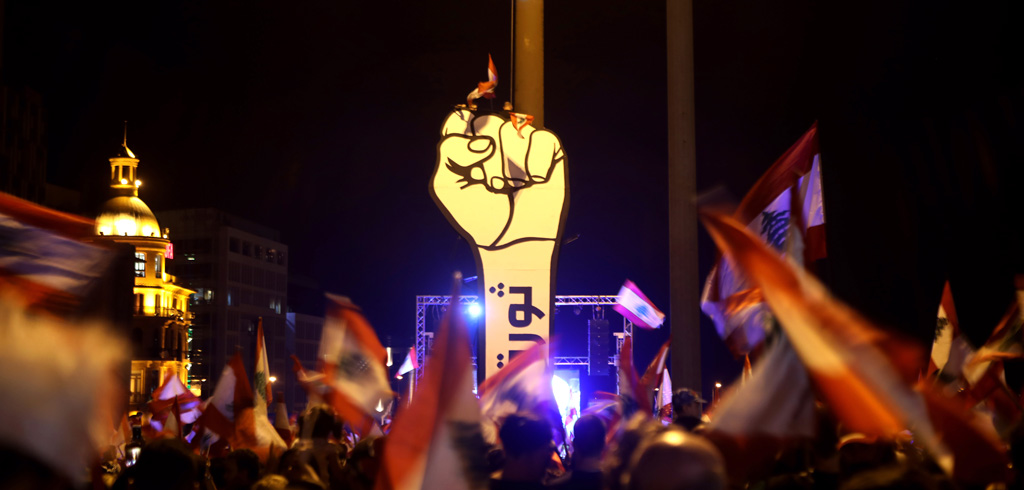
x: 273, y: 379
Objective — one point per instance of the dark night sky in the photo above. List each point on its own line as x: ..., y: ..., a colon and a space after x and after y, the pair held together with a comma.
x: 320, y: 119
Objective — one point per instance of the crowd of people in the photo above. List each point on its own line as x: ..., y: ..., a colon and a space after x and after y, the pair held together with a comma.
x: 639, y: 452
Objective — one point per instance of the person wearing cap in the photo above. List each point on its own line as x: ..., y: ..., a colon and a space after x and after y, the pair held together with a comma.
x: 687, y: 408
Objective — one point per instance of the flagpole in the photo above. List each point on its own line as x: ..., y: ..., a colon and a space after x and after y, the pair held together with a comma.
x: 684, y: 315
x: 528, y: 52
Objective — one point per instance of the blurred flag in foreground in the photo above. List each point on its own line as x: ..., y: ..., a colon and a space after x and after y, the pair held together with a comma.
x: 436, y: 442
x: 866, y: 376
x: 788, y: 195
x: 634, y: 305
x: 354, y: 364
x: 523, y: 385
x: 267, y: 436
x: 42, y: 260
x: 60, y: 383
x: 485, y: 89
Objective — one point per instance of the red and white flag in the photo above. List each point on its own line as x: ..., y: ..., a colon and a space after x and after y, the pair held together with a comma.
x: 436, y: 442
x: 652, y: 377
x: 43, y: 261
x: 310, y: 382
x: 485, y: 89
x: 267, y: 437
x: 788, y: 195
x: 173, y: 390
x: 629, y: 382
x: 865, y: 375
x: 354, y: 364
x: 522, y: 385
x: 228, y: 412
x: 520, y: 121
x: 634, y: 305
x: 409, y: 364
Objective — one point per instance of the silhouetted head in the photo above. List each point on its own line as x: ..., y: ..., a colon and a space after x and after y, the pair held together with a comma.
x: 675, y: 458
x: 528, y: 447
x: 588, y: 436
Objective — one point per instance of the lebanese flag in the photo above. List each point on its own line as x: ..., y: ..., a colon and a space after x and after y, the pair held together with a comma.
x: 950, y: 350
x: 261, y: 380
x: 651, y: 379
x: 634, y: 305
x: 173, y: 390
x: 522, y: 385
x: 485, y: 89
x: 267, y: 437
x: 789, y: 192
x: 310, y: 382
x: 354, y: 364
x: 757, y: 418
x: 43, y: 261
x: 122, y: 434
x: 228, y: 412
x: 409, y: 364
x: 629, y: 383
x: 865, y: 375
x: 520, y: 121
x: 436, y: 442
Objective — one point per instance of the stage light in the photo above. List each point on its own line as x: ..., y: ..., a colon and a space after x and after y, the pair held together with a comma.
x: 273, y: 379
x: 474, y: 310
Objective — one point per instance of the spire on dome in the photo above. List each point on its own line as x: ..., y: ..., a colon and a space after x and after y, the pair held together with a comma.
x: 125, y: 142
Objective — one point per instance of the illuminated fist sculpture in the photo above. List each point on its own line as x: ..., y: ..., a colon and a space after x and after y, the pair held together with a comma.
x: 504, y: 187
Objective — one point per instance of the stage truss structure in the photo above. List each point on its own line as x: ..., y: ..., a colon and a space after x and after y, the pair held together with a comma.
x: 424, y: 339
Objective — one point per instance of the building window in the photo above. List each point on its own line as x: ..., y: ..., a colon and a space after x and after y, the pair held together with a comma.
x: 271, y: 255
x: 140, y: 264
x: 158, y: 262
x: 247, y: 249
x: 233, y: 245
x: 258, y: 252
x: 139, y: 304
x: 280, y: 258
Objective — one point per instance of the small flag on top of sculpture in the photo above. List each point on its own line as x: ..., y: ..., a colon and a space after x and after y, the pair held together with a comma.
x: 634, y: 305
x: 409, y: 364
x: 520, y: 121
x: 353, y: 364
x: 484, y: 89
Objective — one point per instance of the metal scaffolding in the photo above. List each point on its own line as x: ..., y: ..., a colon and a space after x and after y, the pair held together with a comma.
x: 424, y: 339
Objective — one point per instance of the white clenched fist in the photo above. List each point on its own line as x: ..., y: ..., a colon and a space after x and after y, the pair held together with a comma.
x: 498, y: 187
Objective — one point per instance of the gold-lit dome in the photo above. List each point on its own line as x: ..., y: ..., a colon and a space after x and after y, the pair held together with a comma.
x: 127, y: 216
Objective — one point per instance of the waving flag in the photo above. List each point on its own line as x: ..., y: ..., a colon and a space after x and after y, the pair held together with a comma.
x: 173, y: 390
x: 634, y: 305
x: 523, y: 385
x: 789, y: 194
x: 409, y: 364
x: 228, y: 412
x: 42, y: 261
x: 520, y: 121
x: 484, y: 89
x: 311, y: 383
x: 866, y: 376
x: 436, y: 441
x: 353, y: 364
x: 267, y: 436
x: 629, y: 383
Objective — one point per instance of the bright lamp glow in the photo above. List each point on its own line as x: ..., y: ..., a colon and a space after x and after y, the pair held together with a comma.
x: 124, y: 181
x: 474, y: 310
x: 138, y: 183
x: 273, y: 379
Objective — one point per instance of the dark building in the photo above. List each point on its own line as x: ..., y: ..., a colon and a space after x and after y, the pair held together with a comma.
x: 239, y: 272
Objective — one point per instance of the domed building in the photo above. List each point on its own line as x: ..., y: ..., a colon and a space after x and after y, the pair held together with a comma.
x: 161, y: 325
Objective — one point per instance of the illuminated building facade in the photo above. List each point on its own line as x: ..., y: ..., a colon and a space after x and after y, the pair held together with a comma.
x: 239, y: 270
x: 160, y: 332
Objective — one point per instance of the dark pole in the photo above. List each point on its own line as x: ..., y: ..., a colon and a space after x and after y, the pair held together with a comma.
x: 528, y: 90
x: 684, y: 315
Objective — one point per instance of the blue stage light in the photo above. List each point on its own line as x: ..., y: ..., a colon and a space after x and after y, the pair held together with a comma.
x: 474, y: 310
